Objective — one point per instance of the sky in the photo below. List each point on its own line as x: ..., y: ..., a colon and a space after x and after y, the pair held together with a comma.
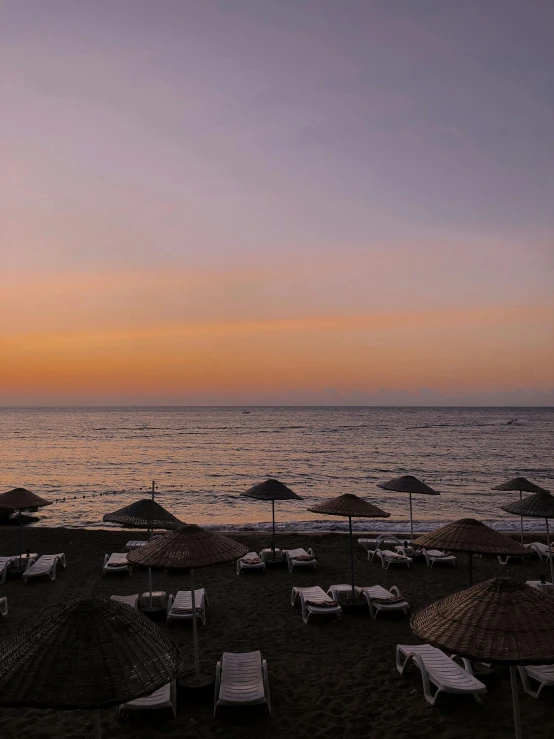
x: 308, y: 202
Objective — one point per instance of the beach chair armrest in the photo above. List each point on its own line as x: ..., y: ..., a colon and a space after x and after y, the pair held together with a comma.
x: 394, y: 589
x: 311, y: 552
x: 266, y: 684
x: 217, y: 685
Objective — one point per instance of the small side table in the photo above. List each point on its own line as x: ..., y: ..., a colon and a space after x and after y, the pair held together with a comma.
x: 266, y: 555
x: 159, y: 600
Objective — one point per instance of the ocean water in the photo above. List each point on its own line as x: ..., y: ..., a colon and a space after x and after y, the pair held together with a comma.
x: 91, y: 461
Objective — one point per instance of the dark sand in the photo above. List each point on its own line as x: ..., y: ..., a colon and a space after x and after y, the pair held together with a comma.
x: 327, y: 679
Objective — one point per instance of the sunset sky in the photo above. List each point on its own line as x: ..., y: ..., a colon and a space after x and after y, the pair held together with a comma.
x: 277, y: 202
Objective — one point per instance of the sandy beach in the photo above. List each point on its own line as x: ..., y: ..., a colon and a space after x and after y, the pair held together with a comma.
x: 327, y: 679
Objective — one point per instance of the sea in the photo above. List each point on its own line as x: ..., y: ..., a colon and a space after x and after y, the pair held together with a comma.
x: 92, y: 461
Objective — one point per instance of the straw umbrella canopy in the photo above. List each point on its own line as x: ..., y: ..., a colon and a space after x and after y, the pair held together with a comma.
x: 411, y: 485
x: 524, y: 486
x: 473, y: 537
x: 189, y: 547
x: 353, y: 507
x: 500, y: 620
x: 271, y: 490
x: 89, y: 654
x: 144, y: 514
x: 20, y: 499
x: 540, y: 505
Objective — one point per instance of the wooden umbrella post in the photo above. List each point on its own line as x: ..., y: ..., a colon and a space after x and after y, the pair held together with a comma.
x: 470, y: 567
x: 273, y: 519
x: 521, y: 519
x: 194, y: 625
x: 549, y: 552
x: 411, y: 522
x: 515, y: 701
x: 352, y: 559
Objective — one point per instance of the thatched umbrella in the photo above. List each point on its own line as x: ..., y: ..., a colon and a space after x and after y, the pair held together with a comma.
x: 411, y: 485
x: 473, y: 537
x: 271, y: 490
x: 524, y: 486
x: 500, y: 620
x: 540, y: 505
x: 20, y: 499
x: 353, y: 507
x: 188, y: 548
x: 89, y: 654
x: 145, y: 514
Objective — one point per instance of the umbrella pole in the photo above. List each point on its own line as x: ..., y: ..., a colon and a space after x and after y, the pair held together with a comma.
x: 194, y: 625
x: 97, y: 725
x: 150, y: 586
x: 549, y: 552
x: 20, y: 547
x: 351, y: 558
x: 470, y: 567
x: 521, y: 519
x: 515, y: 701
x: 411, y: 522
x: 273, y: 519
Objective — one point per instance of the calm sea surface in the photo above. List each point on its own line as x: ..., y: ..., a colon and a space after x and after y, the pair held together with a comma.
x: 202, y: 458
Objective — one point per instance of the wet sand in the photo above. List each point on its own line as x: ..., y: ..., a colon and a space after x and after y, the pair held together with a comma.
x: 327, y: 679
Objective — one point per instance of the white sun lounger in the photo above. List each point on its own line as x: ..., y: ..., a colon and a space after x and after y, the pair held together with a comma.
x: 7, y: 562
x: 540, y: 549
x: 314, y: 595
x: 300, y: 558
x: 165, y: 697
x: 250, y: 561
x: 3, y: 606
x: 116, y: 562
x: 241, y: 680
x: 128, y: 600
x: 377, y: 597
x: 371, y: 544
x: 179, y: 607
x: 439, y: 670
x: 543, y: 674
x: 435, y: 555
x: 387, y: 557
x: 45, y: 565
x: 135, y: 544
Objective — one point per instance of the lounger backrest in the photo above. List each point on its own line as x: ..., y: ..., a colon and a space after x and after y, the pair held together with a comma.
x: 315, y: 593
x: 118, y: 558
x: 183, y: 599
x: 378, y: 591
x: 292, y: 553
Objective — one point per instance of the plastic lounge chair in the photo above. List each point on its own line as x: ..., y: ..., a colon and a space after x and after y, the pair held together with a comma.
x: 250, y: 561
x: 439, y: 670
x: 5, y: 564
x: 179, y: 607
x: 45, y: 565
x: 135, y: 544
x: 165, y: 697
x: 388, y: 557
x: 241, y: 680
x: 343, y: 592
x: 543, y: 674
x: 371, y: 544
x: 380, y: 599
x: 540, y: 549
x: 116, y: 562
x: 300, y: 558
x: 128, y: 600
x: 3, y: 606
x: 313, y: 603
x: 435, y: 555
